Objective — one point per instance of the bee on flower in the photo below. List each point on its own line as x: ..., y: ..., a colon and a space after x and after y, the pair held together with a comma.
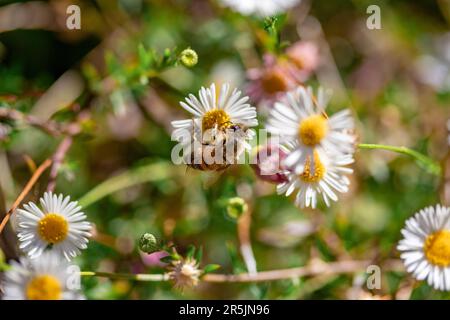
x: 327, y: 180
x: 47, y: 277
x: 425, y: 247
x: 220, y: 128
x: 59, y: 225
x: 300, y: 119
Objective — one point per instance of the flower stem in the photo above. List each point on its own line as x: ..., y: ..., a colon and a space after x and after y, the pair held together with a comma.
x: 34, y: 178
x: 125, y: 276
x: 315, y: 269
x: 422, y: 160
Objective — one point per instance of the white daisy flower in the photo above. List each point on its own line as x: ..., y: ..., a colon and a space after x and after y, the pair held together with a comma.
x: 215, y: 113
x: 46, y: 278
x: 425, y: 246
x: 327, y: 181
x: 300, y: 118
x: 261, y: 8
x: 60, y: 226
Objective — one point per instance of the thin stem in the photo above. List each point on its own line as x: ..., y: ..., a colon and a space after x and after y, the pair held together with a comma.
x: 25, y: 191
x: 243, y: 229
x: 50, y: 127
x: 422, y: 160
x: 318, y: 268
x: 314, y: 269
x: 126, y: 276
x: 58, y: 158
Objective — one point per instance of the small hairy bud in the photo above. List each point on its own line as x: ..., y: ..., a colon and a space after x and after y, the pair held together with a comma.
x: 189, y: 57
x: 148, y: 243
x: 236, y: 207
x: 184, y: 273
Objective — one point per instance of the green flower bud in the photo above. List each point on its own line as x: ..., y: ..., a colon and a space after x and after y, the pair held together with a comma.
x: 148, y: 243
x: 189, y: 57
x: 236, y: 207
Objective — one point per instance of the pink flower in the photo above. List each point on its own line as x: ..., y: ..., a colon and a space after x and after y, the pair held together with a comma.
x: 154, y: 259
x: 271, y: 81
x: 279, y: 75
x: 305, y: 55
x: 268, y: 163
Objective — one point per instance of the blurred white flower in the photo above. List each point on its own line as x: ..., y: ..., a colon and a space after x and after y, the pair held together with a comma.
x: 433, y: 69
x: 261, y: 8
x: 46, y: 278
x: 60, y: 226
x: 425, y: 246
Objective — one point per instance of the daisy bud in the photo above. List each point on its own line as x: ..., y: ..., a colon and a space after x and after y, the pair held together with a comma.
x: 268, y: 163
x: 189, y: 57
x: 148, y: 243
x: 236, y: 207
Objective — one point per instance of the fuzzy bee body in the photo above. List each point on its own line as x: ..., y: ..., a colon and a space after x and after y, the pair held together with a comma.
x: 218, y: 140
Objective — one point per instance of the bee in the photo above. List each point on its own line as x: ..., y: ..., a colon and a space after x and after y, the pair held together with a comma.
x: 229, y: 142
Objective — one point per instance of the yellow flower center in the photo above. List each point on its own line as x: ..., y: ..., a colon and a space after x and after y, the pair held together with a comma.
x: 313, y: 129
x: 53, y: 228
x: 319, y: 170
x: 215, y: 117
x: 437, y: 248
x: 274, y: 81
x: 43, y: 287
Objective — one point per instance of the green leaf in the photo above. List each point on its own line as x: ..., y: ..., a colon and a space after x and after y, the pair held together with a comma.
x: 210, y: 268
x: 167, y: 259
x: 190, y: 252
x: 199, y: 255
x: 270, y: 24
x: 112, y: 64
x: 145, y: 57
x: 237, y: 264
x: 176, y: 256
